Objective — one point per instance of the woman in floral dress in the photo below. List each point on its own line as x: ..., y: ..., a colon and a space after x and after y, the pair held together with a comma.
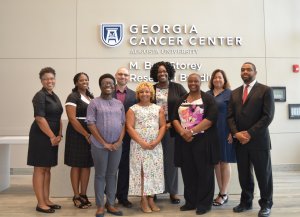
x: 146, y: 126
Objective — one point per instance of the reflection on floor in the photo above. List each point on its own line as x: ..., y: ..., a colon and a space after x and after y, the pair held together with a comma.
x: 19, y: 200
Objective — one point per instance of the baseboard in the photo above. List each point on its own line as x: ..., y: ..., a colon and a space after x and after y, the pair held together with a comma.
x: 286, y: 167
x: 276, y: 168
x: 21, y: 171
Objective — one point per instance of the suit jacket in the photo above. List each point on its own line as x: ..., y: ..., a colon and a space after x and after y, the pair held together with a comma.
x: 130, y: 98
x: 254, y: 116
x: 176, y: 91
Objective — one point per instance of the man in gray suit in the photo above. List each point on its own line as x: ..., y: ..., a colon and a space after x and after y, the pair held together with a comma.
x: 250, y: 112
x: 127, y: 97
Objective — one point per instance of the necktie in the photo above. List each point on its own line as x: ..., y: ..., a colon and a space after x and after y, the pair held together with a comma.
x: 245, y: 94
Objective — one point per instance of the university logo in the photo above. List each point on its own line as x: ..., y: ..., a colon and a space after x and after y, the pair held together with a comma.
x: 112, y: 34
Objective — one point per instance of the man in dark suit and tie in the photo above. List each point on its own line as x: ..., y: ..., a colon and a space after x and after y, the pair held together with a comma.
x: 250, y: 112
x: 127, y: 97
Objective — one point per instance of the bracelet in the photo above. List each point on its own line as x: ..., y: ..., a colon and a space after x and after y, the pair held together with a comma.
x: 61, y: 136
x: 192, y: 131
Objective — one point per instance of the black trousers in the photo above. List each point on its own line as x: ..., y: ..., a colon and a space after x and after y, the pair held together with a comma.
x: 198, y: 175
x: 260, y: 160
x: 123, y: 175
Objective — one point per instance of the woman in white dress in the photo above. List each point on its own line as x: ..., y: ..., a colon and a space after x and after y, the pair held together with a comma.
x: 146, y: 126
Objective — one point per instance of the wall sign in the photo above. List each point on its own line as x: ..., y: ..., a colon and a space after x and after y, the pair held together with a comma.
x: 279, y: 94
x: 294, y: 111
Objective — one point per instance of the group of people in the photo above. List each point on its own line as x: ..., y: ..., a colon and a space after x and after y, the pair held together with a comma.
x: 137, y: 140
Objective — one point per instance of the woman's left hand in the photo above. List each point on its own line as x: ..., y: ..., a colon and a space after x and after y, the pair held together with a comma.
x: 152, y: 145
x: 168, y: 126
x: 116, y: 146
x: 56, y: 140
x: 187, y: 135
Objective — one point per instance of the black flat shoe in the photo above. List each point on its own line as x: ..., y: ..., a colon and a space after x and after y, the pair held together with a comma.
x: 186, y: 207
x: 55, y: 206
x: 126, y: 203
x: 174, y: 200
x: 264, y: 212
x: 201, y: 211
x: 39, y: 209
x: 241, y: 208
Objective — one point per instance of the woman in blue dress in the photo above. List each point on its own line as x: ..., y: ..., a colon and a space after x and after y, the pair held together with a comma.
x: 219, y: 88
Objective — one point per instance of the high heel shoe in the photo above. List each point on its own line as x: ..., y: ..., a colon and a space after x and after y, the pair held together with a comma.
x: 79, y: 202
x: 152, y: 204
x: 86, y: 199
x: 224, y: 199
x: 145, y: 207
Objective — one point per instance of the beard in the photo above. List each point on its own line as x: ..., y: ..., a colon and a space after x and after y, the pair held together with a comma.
x: 247, y: 79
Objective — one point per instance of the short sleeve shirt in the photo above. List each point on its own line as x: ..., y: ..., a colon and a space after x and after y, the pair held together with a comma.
x: 80, y: 102
x: 47, y: 105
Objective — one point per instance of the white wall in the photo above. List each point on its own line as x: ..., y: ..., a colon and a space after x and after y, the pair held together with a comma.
x: 64, y: 34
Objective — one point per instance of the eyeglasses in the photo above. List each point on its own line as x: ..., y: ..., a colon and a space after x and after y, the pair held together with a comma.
x: 123, y: 74
x: 107, y: 83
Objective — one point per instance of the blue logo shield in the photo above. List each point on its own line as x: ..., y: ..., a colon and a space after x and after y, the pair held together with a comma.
x: 112, y: 34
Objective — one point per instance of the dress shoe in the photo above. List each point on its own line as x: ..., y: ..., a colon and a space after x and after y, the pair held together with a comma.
x: 126, y: 203
x: 174, y: 199
x: 55, y: 206
x: 39, y: 209
x: 186, y: 207
x: 201, y: 211
x: 241, y: 208
x: 264, y: 212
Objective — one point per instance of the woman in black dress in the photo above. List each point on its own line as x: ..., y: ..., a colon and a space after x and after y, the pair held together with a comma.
x: 78, y: 149
x: 44, y: 137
